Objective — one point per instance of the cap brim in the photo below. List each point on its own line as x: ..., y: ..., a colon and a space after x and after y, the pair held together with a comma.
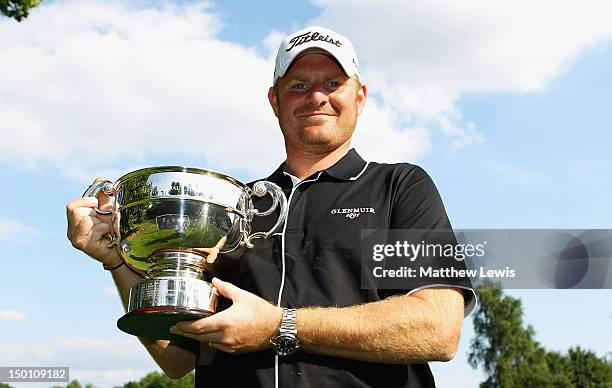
x: 311, y: 50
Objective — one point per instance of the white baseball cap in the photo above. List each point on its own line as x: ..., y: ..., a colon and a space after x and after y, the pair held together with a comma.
x: 315, y: 37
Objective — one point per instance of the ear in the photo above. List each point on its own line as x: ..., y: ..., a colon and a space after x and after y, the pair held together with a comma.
x: 273, y: 100
x: 362, y: 95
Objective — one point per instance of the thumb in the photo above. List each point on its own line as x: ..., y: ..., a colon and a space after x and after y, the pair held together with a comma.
x: 227, y: 289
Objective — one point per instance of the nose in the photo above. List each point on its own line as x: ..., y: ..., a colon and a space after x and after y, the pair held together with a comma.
x: 317, y: 96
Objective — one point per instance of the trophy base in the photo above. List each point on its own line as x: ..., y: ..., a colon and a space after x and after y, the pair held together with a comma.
x: 155, y: 322
x: 158, y: 303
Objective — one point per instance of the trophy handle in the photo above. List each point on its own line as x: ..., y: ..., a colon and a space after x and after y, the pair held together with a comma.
x: 104, y: 186
x: 260, y: 189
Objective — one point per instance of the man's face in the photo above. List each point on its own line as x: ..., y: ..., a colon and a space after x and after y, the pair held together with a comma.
x: 317, y: 104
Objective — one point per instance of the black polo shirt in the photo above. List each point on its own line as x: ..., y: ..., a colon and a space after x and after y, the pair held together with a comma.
x: 320, y: 249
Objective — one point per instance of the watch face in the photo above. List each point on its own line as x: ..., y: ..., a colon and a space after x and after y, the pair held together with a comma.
x: 285, y: 345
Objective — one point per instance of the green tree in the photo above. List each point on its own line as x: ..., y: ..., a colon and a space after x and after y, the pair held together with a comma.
x: 17, y: 9
x: 505, y: 348
x: 160, y: 380
x: 151, y: 380
x: 74, y: 384
x: 587, y: 370
x: 2, y: 385
x: 511, y: 357
x: 559, y: 368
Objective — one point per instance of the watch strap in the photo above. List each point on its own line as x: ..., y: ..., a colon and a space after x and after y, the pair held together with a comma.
x: 288, y: 322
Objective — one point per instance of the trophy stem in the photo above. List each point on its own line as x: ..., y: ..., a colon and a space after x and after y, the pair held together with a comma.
x: 176, y: 264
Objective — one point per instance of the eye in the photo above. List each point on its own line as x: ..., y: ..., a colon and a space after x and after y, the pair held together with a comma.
x: 299, y: 86
x: 333, y: 84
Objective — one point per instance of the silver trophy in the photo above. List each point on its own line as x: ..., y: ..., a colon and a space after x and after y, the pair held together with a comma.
x: 170, y: 223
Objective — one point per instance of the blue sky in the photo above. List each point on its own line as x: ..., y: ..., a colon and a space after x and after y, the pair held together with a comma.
x: 510, y: 119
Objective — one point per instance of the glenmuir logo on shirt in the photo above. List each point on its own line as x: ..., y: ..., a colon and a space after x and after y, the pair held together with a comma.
x: 353, y: 212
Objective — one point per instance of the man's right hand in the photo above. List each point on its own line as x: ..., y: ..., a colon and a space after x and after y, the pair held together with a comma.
x: 88, y: 230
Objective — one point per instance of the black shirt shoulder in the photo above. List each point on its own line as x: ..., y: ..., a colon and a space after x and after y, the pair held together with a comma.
x: 416, y: 202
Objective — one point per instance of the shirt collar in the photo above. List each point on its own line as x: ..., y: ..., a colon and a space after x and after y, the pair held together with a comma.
x: 347, y: 168
x: 294, y: 180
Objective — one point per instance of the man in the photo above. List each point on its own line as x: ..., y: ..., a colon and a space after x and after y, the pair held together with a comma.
x: 299, y: 316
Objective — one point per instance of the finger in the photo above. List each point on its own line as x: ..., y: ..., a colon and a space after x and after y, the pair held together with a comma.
x: 88, y: 202
x: 208, y: 338
x: 82, y: 219
x: 210, y: 254
x: 77, y: 211
x: 216, y: 337
x: 204, y: 339
x: 185, y: 334
x: 201, y: 326
x: 227, y: 289
x: 100, y: 231
x: 104, y: 201
x: 213, y: 340
x: 84, y: 201
x: 85, y: 219
x: 88, y: 229
x: 84, y: 238
x: 79, y: 225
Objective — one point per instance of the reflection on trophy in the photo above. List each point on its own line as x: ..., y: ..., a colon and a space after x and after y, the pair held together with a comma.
x: 171, y: 223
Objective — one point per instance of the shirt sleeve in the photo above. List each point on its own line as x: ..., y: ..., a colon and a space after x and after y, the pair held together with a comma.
x: 416, y: 209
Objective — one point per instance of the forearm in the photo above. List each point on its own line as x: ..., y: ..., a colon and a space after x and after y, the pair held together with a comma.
x: 174, y: 360
x: 125, y: 278
x: 404, y: 329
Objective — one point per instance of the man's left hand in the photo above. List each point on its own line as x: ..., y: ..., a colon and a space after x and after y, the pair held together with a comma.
x: 247, y: 326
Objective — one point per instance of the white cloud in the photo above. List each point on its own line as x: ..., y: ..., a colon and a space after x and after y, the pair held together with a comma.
x: 88, y: 83
x: 94, y: 86
x: 380, y: 136
x: 461, y: 137
x: 12, y: 315
x: 422, y: 56
x: 11, y: 229
x: 271, y: 43
x: 76, y: 352
x: 116, y: 360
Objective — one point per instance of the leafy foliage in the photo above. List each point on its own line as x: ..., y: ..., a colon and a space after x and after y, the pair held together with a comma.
x: 74, y: 384
x: 17, y: 9
x: 151, y: 380
x: 160, y: 380
x: 511, y: 357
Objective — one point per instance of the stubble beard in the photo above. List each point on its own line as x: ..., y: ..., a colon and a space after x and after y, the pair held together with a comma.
x: 317, y: 140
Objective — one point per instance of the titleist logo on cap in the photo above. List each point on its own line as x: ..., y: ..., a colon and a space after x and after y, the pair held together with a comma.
x: 309, y: 36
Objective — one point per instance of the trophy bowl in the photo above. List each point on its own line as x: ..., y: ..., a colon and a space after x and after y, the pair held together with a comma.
x: 169, y: 224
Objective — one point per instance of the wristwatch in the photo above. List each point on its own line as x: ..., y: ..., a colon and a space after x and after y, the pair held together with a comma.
x: 286, y: 342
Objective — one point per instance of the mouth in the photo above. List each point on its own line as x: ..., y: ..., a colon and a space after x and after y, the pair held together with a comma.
x: 315, y: 114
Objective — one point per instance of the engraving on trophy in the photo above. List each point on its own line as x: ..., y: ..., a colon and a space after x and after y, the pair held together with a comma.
x: 148, y: 291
